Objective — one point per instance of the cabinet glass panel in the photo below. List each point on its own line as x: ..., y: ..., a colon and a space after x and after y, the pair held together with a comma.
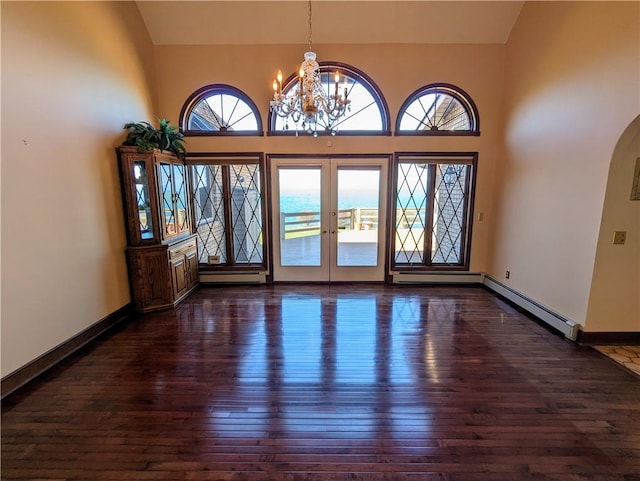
x: 182, y: 218
x: 142, y: 199
x: 166, y: 196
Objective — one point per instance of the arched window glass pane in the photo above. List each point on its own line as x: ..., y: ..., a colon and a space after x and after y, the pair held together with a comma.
x: 438, y: 110
x: 220, y: 110
x: 366, y: 114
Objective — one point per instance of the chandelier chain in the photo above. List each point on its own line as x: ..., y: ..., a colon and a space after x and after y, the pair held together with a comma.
x: 310, y: 25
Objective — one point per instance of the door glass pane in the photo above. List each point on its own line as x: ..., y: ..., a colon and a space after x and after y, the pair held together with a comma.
x: 142, y: 199
x: 299, y: 205
x: 358, y: 207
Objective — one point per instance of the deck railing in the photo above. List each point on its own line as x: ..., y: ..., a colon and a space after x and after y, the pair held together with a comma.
x: 301, y: 224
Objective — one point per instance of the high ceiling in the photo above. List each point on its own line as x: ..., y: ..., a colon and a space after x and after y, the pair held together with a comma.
x: 354, y: 21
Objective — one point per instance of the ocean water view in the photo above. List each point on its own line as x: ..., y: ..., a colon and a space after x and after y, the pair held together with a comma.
x: 309, y: 202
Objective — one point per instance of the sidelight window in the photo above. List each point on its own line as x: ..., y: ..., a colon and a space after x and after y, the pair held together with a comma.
x: 433, y: 199
x: 227, y: 198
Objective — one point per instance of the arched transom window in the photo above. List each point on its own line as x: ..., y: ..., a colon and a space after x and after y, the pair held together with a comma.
x: 367, y: 113
x: 438, y: 109
x: 220, y: 110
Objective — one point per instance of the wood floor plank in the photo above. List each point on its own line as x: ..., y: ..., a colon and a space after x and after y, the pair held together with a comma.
x: 328, y: 383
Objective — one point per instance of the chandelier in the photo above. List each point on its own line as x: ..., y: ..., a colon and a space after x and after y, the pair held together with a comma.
x: 309, y: 102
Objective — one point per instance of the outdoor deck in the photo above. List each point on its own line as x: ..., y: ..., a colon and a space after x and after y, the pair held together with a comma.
x: 355, y: 248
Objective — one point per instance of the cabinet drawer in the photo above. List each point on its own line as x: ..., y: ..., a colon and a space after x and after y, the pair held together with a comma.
x: 182, y: 248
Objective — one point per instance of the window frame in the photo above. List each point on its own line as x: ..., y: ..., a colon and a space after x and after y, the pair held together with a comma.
x: 218, y: 89
x: 228, y: 159
x: 328, y: 67
x: 433, y: 158
x: 453, y: 91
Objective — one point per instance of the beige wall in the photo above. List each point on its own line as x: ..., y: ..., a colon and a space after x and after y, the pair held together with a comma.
x: 398, y: 70
x: 571, y: 90
x: 72, y: 75
x: 614, y: 304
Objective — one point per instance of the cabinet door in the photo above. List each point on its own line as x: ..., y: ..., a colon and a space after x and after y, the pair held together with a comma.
x: 139, y: 188
x: 180, y: 197
x: 173, y: 199
x: 193, y: 276
x: 150, y: 281
x: 179, y: 276
x: 143, y: 185
x: 167, y: 203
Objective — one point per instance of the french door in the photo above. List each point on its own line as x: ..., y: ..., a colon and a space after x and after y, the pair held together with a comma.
x: 329, y: 219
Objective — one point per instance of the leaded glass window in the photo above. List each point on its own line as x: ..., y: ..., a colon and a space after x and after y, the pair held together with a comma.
x: 228, y: 203
x: 220, y: 110
x: 438, y: 109
x: 432, y: 216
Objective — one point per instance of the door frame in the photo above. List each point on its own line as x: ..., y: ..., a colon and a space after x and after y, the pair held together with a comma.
x: 384, y: 221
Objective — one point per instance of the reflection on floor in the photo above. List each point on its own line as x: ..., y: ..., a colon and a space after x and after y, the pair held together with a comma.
x: 294, y: 382
x: 628, y: 356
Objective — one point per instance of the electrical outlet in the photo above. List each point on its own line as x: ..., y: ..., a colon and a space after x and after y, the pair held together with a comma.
x: 507, y: 274
x: 619, y: 237
x: 480, y: 216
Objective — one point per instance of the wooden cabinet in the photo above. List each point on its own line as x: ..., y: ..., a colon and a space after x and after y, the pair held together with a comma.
x: 184, y: 273
x: 162, y: 251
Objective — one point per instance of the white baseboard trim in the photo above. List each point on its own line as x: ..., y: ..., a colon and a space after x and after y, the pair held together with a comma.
x: 257, y: 277
x: 566, y: 326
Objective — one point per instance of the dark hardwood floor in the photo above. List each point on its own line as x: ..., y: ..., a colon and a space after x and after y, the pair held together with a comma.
x: 329, y: 383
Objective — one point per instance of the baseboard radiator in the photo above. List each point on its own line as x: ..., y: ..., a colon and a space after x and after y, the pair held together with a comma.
x: 566, y: 326
x: 253, y: 277
x: 436, y: 278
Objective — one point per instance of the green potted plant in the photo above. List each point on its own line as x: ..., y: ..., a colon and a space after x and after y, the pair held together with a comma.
x: 146, y: 137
